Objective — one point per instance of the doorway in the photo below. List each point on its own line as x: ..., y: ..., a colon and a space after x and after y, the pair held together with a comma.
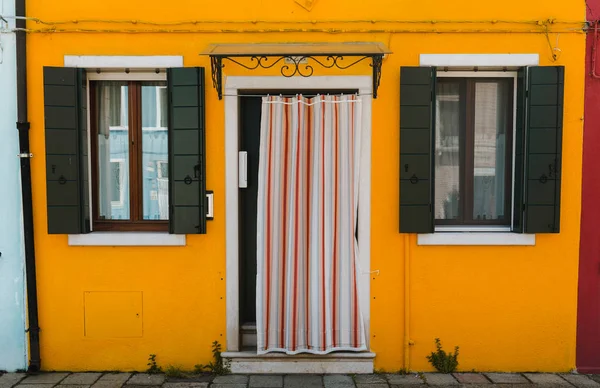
x: 242, y: 129
x: 250, y: 107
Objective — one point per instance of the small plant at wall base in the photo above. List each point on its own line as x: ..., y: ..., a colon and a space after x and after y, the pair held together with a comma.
x: 443, y: 362
x: 174, y: 372
x: 153, y: 367
x: 219, y: 366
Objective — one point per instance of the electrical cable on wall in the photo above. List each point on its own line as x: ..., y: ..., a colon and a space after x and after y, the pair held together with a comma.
x: 545, y: 27
x: 323, y: 21
x: 294, y: 30
x: 594, y: 54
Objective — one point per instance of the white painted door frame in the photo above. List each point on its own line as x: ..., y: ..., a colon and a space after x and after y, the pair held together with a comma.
x: 233, y: 86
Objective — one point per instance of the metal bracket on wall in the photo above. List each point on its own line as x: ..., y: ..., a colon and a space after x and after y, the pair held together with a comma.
x: 210, y: 205
x: 297, y: 64
x: 30, y: 155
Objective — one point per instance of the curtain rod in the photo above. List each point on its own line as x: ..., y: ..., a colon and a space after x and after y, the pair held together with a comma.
x: 296, y: 95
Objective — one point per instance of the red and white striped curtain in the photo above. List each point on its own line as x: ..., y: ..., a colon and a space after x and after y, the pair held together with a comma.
x: 307, y: 292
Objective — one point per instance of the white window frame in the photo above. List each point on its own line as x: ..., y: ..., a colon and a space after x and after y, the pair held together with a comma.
x: 112, y: 68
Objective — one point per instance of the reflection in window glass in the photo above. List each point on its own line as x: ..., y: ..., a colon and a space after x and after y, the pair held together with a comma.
x: 162, y: 100
x: 113, y: 150
x: 489, y: 175
x: 155, y: 189
x: 117, y: 177
x: 447, y: 155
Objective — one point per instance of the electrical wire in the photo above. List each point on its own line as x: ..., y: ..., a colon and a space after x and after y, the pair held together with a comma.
x: 552, y: 49
x: 293, y: 30
x: 314, y: 21
x: 53, y: 26
x: 594, y: 53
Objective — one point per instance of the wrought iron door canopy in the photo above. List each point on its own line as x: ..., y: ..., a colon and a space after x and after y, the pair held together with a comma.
x: 295, y: 59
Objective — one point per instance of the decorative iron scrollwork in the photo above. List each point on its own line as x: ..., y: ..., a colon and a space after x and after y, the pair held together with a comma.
x: 216, y: 67
x: 295, y: 65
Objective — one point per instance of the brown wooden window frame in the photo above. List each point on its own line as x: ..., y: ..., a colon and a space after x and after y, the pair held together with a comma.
x: 467, y: 152
x: 136, y: 221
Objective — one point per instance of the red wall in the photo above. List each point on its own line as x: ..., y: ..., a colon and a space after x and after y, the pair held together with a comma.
x: 588, y: 325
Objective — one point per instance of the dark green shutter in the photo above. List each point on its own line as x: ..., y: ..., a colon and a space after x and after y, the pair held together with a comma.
x: 417, y: 90
x: 543, y: 147
x: 187, y: 177
x: 65, y: 117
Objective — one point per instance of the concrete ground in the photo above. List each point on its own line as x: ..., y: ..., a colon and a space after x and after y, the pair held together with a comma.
x: 456, y: 380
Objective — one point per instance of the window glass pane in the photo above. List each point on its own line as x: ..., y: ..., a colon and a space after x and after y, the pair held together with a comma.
x: 155, y: 187
x: 447, y: 151
x: 148, y: 106
x: 490, y: 142
x: 113, y: 150
x: 162, y: 100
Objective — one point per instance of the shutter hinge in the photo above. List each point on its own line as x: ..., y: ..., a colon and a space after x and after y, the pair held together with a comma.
x: 25, y: 155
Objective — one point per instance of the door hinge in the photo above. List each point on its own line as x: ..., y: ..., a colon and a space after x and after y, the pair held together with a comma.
x: 25, y: 155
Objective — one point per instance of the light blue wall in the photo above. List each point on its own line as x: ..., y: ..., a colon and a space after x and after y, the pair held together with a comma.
x: 12, y: 264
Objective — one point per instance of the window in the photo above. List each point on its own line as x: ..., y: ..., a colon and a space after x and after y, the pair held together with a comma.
x: 141, y: 123
x: 130, y: 150
x: 473, y: 151
x: 481, y: 150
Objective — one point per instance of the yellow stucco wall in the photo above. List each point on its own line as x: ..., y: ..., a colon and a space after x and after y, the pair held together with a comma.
x: 508, y: 308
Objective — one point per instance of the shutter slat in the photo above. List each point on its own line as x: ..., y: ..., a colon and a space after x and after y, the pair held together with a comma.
x: 543, y: 149
x: 187, y: 178
x: 416, y: 128
x: 65, y: 120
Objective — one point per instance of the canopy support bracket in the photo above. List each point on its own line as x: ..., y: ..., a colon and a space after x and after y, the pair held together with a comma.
x: 298, y: 64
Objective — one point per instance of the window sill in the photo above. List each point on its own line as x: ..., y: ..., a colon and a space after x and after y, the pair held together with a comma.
x: 127, y: 239
x: 476, y: 238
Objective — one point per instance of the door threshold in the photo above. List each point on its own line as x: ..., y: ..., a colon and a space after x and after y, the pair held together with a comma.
x: 248, y: 362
